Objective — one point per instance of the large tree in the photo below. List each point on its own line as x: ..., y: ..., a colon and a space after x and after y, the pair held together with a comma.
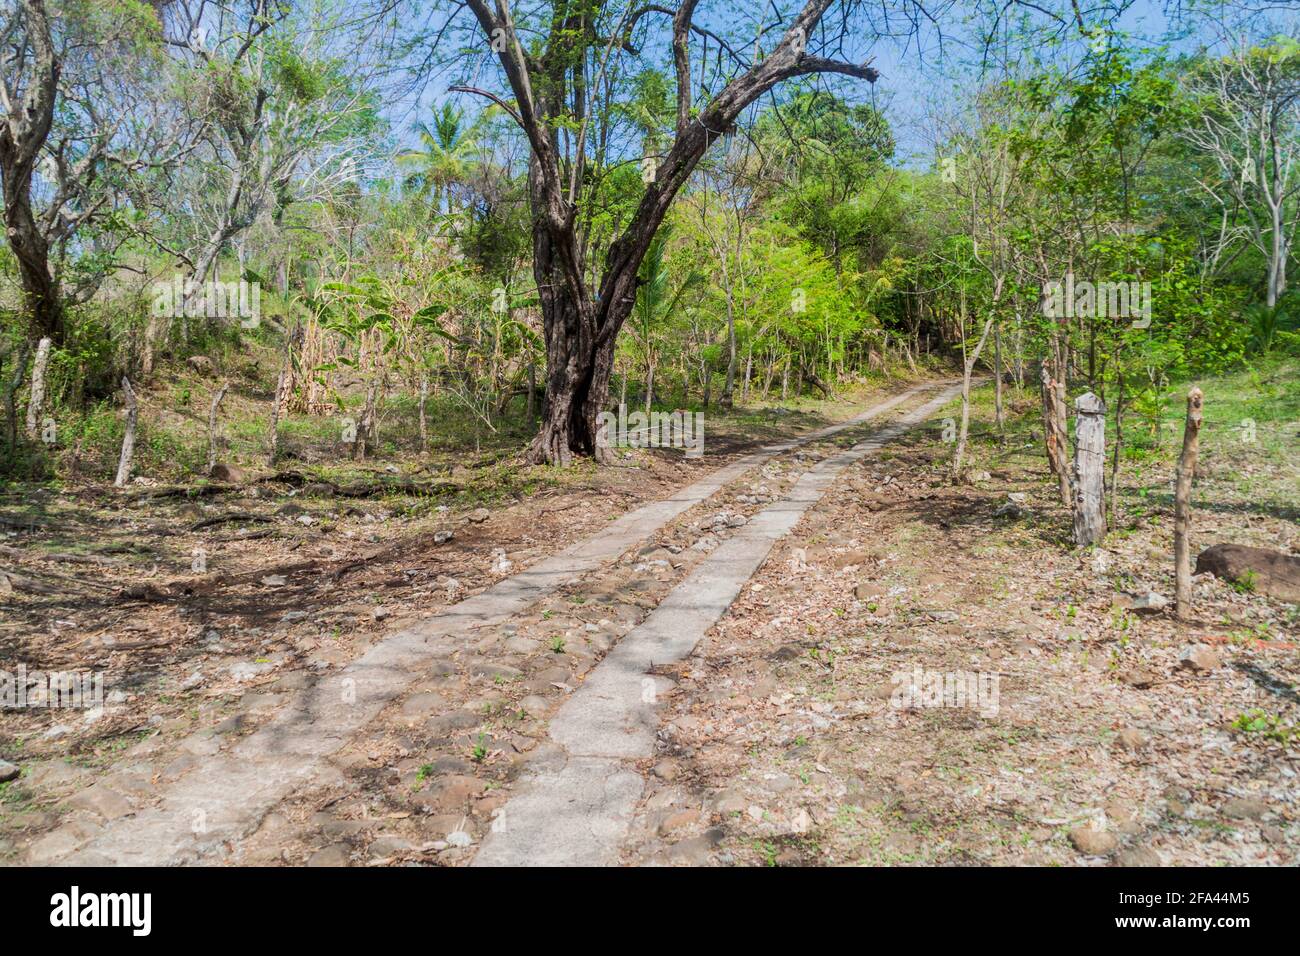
x: 28, y: 92
x: 560, y: 68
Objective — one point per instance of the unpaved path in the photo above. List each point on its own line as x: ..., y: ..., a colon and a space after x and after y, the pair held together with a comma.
x: 576, y: 809
x: 208, y: 807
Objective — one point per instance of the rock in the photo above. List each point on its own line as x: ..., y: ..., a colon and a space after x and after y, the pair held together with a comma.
x: 235, y: 724
x: 445, y: 725
x: 868, y: 591
x: 274, y: 580
x: 1269, y: 572
x: 1272, y: 834
x: 678, y: 820
x: 8, y: 771
x: 534, y: 706
x: 447, y: 764
x: 495, y: 671
x: 459, y: 838
x: 100, y: 800
x: 336, y: 854
x: 1138, y: 677
x: 380, y: 613
x: 227, y: 473
x: 442, y: 537
x: 665, y: 770
x: 1245, y: 808
x: 707, y: 543
x: 1130, y: 738
x: 728, y: 802
x: 801, y: 822
x: 423, y: 705
x: 59, y: 842
x: 1150, y: 602
x: 1093, y: 842
x: 385, y: 846
x: 978, y: 476
x: 1138, y: 856
x: 695, y: 850
x: 943, y: 617
x: 200, y: 364
x: 449, y: 793
x: 1199, y: 657
x: 479, y: 515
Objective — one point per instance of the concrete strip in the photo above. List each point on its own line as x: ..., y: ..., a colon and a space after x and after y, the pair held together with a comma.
x: 577, y: 811
x: 218, y: 803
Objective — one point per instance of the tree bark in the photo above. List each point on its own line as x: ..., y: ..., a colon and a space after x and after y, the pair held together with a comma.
x: 128, y: 437
x: 424, y: 399
x: 212, y: 425
x: 22, y: 135
x: 1089, y: 470
x: 997, y: 376
x: 1054, y: 434
x: 11, y: 392
x: 36, y: 398
x: 1183, y: 505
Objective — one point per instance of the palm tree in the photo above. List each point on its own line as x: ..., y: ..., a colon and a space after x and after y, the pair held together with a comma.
x: 444, y: 158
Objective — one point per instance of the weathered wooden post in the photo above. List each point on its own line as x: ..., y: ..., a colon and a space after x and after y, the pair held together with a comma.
x: 1089, y: 470
x: 36, y: 397
x: 128, y: 437
x: 1054, y: 431
x: 1183, y: 504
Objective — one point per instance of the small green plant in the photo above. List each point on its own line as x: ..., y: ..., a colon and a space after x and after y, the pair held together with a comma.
x: 557, y: 644
x: 424, y: 773
x: 1270, y: 726
x: 480, y: 751
x: 1246, y: 583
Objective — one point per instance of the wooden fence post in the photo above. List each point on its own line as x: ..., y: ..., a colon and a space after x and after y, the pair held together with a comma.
x: 1089, y: 470
x: 128, y: 439
x: 1183, y: 504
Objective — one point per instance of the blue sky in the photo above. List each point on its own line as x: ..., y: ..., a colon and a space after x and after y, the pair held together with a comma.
x: 920, y: 71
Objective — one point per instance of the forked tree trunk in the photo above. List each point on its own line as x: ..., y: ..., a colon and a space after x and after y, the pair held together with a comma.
x: 580, y: 330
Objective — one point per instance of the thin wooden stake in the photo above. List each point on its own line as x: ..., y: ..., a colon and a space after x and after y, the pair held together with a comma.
x: 212, y: 425
x: 128, y: 439
x: 1183, y: 504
